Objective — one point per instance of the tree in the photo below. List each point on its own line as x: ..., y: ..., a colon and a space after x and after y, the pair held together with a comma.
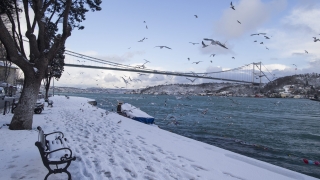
x: 54, y: 70
x: 43, y: 49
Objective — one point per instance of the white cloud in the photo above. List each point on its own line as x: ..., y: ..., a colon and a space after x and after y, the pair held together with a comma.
x: 114, y: 58
x: 272, y: 67
x: 304, y: 19
x: 251, y: 14
x: 110, y: 78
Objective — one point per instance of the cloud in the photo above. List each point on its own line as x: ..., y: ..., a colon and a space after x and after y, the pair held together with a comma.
x: 213, y: 69
x: 114, y: 58
x: 303, y: 18
x: 251, y: 14
x: 110, y: 78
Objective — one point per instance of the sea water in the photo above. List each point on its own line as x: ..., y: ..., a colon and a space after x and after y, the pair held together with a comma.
x: 278, y: 131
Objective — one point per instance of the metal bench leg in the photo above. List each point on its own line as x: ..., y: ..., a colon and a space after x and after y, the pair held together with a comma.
x: 47, y: 175
x: 69, y: 175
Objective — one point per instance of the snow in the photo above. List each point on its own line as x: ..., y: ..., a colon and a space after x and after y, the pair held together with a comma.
x: 35, y: 69
x: 132, y: 111
x: 110, y: 146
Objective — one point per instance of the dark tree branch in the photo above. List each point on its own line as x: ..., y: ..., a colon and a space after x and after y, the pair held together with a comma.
x: 19, y: 30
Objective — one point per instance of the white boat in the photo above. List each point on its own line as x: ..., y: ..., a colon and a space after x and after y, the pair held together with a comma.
x: 134, y: 113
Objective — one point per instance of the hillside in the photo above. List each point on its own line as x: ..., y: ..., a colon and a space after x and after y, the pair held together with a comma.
x: 302, y: 84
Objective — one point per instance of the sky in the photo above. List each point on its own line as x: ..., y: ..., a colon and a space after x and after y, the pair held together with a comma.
x: 109, y: 146
x: 113, y: 33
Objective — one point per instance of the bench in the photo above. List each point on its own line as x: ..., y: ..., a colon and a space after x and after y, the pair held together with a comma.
x: 54, y: 152
x: 50, y: 103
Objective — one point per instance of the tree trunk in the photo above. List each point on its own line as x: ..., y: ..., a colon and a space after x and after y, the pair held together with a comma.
x: 23, y: 114
x: 47, y: 87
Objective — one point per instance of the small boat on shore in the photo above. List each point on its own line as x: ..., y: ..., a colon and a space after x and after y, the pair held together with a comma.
x: 134, y: 113
x: 315, y: 98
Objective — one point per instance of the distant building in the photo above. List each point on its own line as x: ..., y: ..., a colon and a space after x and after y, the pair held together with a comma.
x: 11, y: 72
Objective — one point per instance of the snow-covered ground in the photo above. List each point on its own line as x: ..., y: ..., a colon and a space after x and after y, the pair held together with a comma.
x: 109, y: 146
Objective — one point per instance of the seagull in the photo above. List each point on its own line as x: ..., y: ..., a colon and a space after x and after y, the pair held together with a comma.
x: 267, y: 48
x: 258, y: 34
x: 125, y: 81
x: 146, y: 27
x: 261, y: 43
x: 255, y: 41
x: 142, y: 39
x: 191, y: 79
x: 197, y: 62
x: 306, y: 51
x: 212, y: 55
x: 222, y: 45
x: 144, y: 21
x: 213, y: 42
x: 188, y: 59
x: 232, y: 57
x: 239, y: 22
x: 204, y: 45
x: 315, y: 39
x: 193, y: 43
x: 163, y: 47
x: 232, y: 6
x: 146, y: 61
x: 266, y: 37
x: 196, y: 16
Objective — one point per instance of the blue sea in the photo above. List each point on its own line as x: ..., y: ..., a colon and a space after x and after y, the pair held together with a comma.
x: 278, y: 131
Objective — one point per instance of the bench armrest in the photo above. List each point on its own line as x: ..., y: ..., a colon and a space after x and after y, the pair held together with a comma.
x: 57, y: 132
x: 45, y: 135
x: 66, y: 157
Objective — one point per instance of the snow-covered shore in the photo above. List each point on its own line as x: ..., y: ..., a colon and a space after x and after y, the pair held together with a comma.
x: 110, y: 146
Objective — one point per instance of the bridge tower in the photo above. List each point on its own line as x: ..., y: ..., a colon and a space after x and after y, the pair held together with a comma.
x: 256, y: 74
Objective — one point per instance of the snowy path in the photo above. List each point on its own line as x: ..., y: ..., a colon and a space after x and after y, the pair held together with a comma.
x: 117, y: 148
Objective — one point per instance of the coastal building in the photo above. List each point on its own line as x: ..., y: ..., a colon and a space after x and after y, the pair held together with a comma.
x: 8, y: 75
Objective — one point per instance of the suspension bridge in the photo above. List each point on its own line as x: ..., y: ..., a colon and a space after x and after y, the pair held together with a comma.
x: 250, y: 73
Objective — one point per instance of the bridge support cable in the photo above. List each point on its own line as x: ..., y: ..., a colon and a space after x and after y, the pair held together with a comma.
x: 241, y: 74
x: 154, y: 72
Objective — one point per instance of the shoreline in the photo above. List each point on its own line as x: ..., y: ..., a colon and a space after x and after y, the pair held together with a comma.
x: 112, y: 146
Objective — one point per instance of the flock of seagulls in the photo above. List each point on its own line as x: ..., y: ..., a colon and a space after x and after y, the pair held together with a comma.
x: 211, y: 42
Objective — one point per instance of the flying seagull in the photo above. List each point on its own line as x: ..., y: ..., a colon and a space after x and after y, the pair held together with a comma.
x: 212, y: 55
x: 188, y: 59
x: 197, y: 62
x: 258, y: 34
x: 146, y: 61
x: 193, y: 43
x: 163, y: 47
x: 204, y: 45
x: 266, y: 37
x: 232, y: 6
x: 196, y: 16
x: 191, y: 79
x: 255, y: 41
x: 142, y: 39
x: 315, y: 39
x: 239, y: 22
x: 232, y: 57
x: 306, y: 51
x: 261, y: 43
x: 213, y: 42
x: 222, y: 45
x: 267, y: 48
